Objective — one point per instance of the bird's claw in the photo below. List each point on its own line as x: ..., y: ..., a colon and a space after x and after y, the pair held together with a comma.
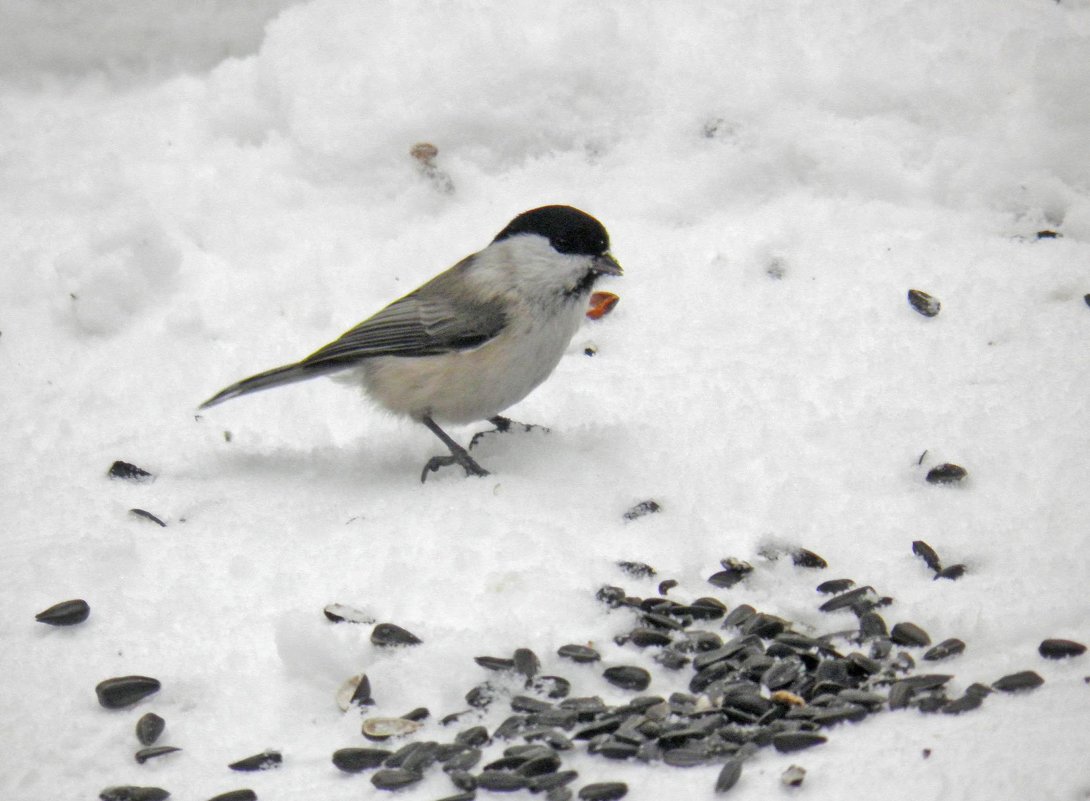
x: 502, y: 426
x: 463, y: 459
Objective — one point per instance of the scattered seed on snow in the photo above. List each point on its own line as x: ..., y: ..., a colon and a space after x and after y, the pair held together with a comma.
x: 66, y: 613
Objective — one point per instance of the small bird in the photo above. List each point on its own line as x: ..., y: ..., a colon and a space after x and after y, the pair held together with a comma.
x: 476, y: 338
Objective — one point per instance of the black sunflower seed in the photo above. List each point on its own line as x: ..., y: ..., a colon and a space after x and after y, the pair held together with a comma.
x: 474, y: 736
x: 923, y: 303
x: 495, y: 663
x: 966, y: 703
x: 642, y: 508
x: 510, y: 727
x: 394, y: 778
x: 1015, y: 682
x: 125, y: 691
x: 738, y: 616
x: 525, y: 703
x: 149, y: 727
x: 946, y: 474
x: 734, y: 570
x: 790, y: 741
x: 686, y: 757
x: 944, y: 649
x: 628, y: 677
x: 463, y: 761
x: 612, y: 749
x: 782, y: 673
x: 144, y: 754
x: 805, y: 558
x: 953, y: 572
x: 526, y: 662
x: 586, y: 707
x: 644, y: 638
x: 835, y: 586
x: 420, y: 758
x: 928, y: 554
x: 551, y: 686
x: 468, y: 795
x: 244, y: 794
x: 551, y: 781
x: 729, y: 775
x: 764, y: 625
x: 1060, y: 649
x: 909, y: 634
x: 390, y: 634
x: 871, y: 624
x: 603, y: 791
x: 262, y: 761
x: 637, y: 569
x: 481, y: 696
x: 128, y: 472
x: 666, y: 586
x: 539, y: 766
x: 832, y: 715
x: 66, y: 613
x: 849, y: 599
x: 354, y: 760
x: 129, y: 792
x: 579, y: 653
x: 463, y: 780
x: 499, y: 781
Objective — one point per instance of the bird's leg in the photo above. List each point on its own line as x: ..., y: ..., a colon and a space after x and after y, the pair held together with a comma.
x: 502, y: 426
x: 458, y: 454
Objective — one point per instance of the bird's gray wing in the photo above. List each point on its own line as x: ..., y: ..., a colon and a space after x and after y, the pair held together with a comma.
x: 424, y: 323
x: 439, y: 317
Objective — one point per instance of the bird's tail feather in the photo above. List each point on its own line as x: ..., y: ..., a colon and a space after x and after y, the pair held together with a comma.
x: 277, y: 377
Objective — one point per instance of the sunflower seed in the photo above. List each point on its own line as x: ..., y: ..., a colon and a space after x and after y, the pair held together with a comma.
x: 526, y: 663
x: 354, y: 760
x: 835, y: 586
x: 946, y: 474
x: 953, y: 572
x: 339, y: 613
x: 66, y: 613
x: 579, y: 653
x: 637, y: 569
x: 128, y: 472
x: 129, y: 792
x: 923, y: 303
x: 945, y: 649
x: 262, y: 761
x: 805, y: 558
x: 394, y: 778
x: 1015, y: 682
x: 603, y: 791
x: 149, y: 727
x: 628, y: 677
x: 125, y: 691
x: 642, y: 508
x: 1060, y: 649
x: 236, y: 795
x: 788, y: 742
x: 388, y: 634
x: 500, y: 782
x: 729, y: 775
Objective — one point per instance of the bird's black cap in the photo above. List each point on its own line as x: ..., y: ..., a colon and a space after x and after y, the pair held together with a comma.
x: 568, y: 230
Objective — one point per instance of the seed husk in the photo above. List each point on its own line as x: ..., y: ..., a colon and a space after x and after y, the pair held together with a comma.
x: 263, y: 761
x: 129, y: 792
x: 394, y: 778
x: 603, y: 791
x: 387, y: 635
x: 379, y: 729
x: 144, y: 754
x: 66, y: 613
x: 354, y: 760
x: 149, y: 727
x: 1060, y: 649
x: 355, y: 691
x: 124, y: 691
x: 339, y: 613
x: 1016, y: 682
x: 793, y: 776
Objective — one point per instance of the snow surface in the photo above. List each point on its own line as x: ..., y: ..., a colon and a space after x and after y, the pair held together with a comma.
x: 191, y: 193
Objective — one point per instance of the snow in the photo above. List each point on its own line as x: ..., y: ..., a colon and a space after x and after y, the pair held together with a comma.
x: 194, y: 193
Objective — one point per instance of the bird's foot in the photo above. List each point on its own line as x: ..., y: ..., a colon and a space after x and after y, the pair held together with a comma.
x: 503, y: 425
x: 460, y: 458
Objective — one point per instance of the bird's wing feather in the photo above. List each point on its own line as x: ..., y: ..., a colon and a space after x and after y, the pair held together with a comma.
x: 420, y: 324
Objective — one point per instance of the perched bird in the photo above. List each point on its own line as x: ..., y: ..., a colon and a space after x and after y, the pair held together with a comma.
x: 473, y: 340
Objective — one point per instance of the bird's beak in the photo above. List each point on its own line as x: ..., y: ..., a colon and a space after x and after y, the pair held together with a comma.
x: 606, y: 265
